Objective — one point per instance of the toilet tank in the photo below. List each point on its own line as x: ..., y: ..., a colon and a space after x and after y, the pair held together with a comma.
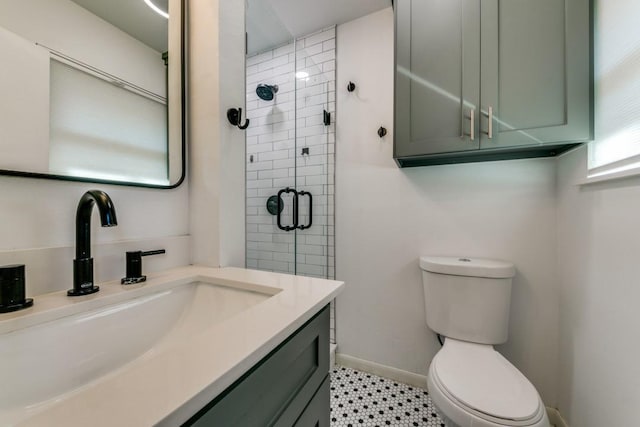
x: 468, y: 298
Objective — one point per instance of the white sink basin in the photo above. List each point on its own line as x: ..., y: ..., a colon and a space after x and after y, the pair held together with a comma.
x: 44, y: 362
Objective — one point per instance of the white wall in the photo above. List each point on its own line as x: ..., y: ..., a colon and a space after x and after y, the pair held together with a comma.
x: 387, y: 217
x: 598, y: 241
x: 216, y: 149
x: 37, y: 228
x: 598, y: 270
x: 28, y: 100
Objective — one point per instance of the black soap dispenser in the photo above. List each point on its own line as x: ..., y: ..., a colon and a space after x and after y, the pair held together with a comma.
x: 12, y: 289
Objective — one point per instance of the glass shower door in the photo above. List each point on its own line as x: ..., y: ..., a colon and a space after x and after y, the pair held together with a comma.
x: 271, y: 219
x: 315, y: 76
x: 290, y: 158
x: 290, y: 149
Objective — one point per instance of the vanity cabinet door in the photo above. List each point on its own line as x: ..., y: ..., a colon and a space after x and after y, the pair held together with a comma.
x: 437, y: 86
x: 315, y: 414
x: 535, y: 72
x: 277, y: 390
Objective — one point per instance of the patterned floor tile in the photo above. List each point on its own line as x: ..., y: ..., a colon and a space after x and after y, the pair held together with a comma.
x: 363, y: 399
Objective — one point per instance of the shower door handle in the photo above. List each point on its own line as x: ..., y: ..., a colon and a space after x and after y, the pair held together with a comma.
x: 306, y: 193
x: 295, y: 209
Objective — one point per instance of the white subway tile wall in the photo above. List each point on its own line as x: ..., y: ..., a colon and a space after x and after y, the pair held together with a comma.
x: 304, y: 72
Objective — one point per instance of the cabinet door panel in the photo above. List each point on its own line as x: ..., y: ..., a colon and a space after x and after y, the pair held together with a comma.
x: 316, y: 414
x: 531, y: 64
x: 535, y: 72
x: 437, y: 76
x: 276, y: 391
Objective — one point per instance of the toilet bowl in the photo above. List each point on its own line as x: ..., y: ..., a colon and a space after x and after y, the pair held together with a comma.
x: 472, y: 385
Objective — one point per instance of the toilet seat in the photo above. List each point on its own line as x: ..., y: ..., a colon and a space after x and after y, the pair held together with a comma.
x: 477, y: 383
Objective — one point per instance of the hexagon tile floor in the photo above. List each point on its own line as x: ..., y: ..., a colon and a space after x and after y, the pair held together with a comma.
x: 363, y: 399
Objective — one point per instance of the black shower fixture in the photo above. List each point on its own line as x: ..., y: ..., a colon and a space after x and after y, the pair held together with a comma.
x: 266, y: 92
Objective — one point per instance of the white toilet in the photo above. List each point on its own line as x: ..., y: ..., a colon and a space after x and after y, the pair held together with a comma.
x: 472, y: 385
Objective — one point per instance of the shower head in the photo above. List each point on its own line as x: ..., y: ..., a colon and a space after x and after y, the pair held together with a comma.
x: 266, y: 92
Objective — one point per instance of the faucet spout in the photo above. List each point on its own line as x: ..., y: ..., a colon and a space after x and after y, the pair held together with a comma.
x: 83, y: 264
x: 83, y: 219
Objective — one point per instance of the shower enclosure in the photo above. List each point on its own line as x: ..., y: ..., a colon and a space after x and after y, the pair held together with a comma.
x: 290, y: 146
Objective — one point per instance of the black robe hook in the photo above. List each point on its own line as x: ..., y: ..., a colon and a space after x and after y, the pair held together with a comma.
x: 234, y: 115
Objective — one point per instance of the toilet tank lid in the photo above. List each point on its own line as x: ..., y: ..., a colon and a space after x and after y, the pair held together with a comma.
x: 471, y: 267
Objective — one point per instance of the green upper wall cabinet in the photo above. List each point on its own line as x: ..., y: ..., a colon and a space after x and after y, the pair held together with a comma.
x: 481, y: 80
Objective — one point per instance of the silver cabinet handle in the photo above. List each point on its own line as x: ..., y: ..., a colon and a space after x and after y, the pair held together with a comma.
x: 472, y: 127
x: 489, y: 115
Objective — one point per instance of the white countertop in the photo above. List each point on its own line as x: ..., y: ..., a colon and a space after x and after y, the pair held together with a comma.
x: 172, y: 385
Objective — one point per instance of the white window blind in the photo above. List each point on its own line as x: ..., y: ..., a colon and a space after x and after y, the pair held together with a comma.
x: 616, y: 146
x: 101, y: 130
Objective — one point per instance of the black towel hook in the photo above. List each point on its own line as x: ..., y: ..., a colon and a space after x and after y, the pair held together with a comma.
x: 382, y: 131
x: 351, y: 86
x: 234, y: 115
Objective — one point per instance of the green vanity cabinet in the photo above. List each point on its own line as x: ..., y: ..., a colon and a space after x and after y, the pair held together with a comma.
x: 481, y: 80
x: 289, y: 387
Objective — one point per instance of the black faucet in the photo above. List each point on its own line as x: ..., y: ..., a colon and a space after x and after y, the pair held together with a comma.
x: 83, y: 264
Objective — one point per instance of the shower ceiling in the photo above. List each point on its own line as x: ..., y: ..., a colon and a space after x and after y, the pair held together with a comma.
x: 271, y: 23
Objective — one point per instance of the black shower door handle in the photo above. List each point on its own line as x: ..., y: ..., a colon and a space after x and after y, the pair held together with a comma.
x: 295, y: 209
x: 306, y: 193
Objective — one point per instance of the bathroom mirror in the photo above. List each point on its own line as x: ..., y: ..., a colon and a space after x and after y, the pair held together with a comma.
x: 93, y: 91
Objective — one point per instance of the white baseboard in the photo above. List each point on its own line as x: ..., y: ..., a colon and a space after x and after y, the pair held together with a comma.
x: 555, y: 418
x: 399, y: 375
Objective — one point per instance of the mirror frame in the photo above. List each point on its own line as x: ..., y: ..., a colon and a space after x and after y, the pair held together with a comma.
x: 183, y: 31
